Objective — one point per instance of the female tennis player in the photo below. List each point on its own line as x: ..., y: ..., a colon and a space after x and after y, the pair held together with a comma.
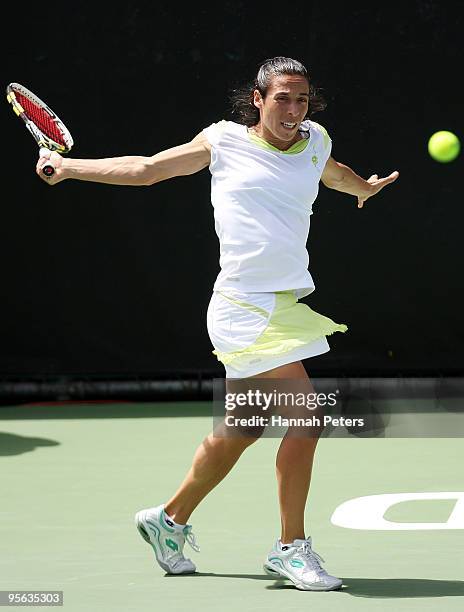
x: 265, y: 169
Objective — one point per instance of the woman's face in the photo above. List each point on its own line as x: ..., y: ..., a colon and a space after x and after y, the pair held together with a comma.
x: 282, y: 110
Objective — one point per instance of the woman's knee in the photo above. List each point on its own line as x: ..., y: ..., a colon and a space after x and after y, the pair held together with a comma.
x: 244, y: 436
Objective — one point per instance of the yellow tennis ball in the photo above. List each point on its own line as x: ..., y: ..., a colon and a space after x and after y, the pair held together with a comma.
x: 444, y: 146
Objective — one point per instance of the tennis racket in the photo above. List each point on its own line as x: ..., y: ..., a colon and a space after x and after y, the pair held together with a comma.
x: 47, y: 129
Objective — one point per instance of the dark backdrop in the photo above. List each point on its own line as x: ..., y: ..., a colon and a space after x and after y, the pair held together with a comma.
x: 116, y: 280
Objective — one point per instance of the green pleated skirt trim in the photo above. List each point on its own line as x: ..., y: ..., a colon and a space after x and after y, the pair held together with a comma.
x: 289, y: 326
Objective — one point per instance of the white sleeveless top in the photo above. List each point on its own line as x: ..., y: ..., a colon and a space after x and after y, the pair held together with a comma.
x: 262, y: 200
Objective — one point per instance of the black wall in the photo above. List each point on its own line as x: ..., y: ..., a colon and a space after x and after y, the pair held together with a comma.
x: 116, y: 280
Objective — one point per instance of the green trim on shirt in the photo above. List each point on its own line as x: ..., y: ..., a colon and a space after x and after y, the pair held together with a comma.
x: 324, y: 133
x: 297, y: 147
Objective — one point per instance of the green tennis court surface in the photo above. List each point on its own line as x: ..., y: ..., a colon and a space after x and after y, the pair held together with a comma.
x: 73, y: 476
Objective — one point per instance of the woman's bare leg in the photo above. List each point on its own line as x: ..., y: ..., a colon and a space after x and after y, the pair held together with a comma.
x: 294, y: 462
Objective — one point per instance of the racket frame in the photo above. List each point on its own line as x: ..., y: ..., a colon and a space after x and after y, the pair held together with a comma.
x: 39, y: 136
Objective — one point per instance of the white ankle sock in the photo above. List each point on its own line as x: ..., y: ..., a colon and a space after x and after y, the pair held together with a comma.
x: 178, y: 525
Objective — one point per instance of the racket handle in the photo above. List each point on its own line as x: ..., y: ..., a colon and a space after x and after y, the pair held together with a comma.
x: 48, y: 169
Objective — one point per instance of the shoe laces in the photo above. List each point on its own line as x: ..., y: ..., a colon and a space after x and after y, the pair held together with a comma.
x: 311, y: 556
x: 190, y: 538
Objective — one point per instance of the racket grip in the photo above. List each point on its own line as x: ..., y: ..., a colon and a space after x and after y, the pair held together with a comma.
x: 48, y: 169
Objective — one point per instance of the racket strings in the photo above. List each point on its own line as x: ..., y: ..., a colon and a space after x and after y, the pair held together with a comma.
x: 40, y: 118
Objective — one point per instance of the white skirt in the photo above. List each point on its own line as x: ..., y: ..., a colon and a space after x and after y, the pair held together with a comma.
x: 256, y: 332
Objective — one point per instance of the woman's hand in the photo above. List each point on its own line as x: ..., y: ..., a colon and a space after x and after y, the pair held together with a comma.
x: 55, y: 159
x: 377, y: 185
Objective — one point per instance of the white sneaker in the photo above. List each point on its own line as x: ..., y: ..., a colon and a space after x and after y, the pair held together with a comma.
x: 166, y: 539
x: 300, y: 564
